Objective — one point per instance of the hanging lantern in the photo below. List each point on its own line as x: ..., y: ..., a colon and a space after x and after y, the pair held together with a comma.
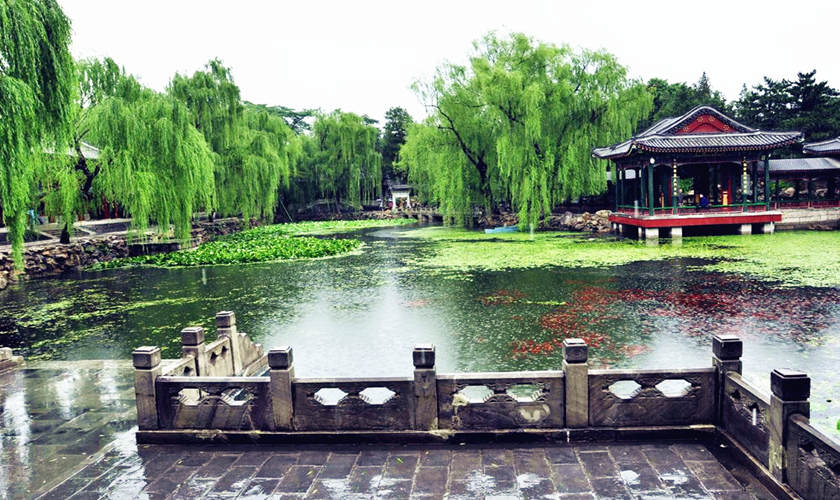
x: 676, y: 181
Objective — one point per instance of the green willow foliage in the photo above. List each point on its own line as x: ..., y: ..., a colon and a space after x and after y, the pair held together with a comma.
x: 255, y: 151
x: 70, y: 181
x: 258, y: 166
x: 519, y: 125
x: 342, y: 160
x: 159, y: 166
x: 213, y: 98
x: 36, y: 89
x: 442, y: 172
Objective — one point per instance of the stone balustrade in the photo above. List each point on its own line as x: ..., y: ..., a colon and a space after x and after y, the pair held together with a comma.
x: 221, y: 390
x: 8, y: 361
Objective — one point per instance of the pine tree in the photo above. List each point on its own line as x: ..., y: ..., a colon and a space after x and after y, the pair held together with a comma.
x: 397, y: 121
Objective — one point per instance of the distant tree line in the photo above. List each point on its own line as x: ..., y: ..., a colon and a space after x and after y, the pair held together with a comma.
x: 514, y: 128
x: 804, y: 104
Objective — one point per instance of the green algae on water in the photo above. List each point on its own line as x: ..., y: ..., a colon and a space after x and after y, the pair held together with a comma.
x: 791, y: 258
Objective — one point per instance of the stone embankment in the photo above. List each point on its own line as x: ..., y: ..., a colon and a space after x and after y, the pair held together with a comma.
x: 51, y: 258
x: 597, y: 222
x: 814, y: 219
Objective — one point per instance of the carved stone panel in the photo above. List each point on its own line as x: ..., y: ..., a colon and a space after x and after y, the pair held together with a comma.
x: 813, y: 461
x: 376, y: 404
x: 229, y: 405
x: 219, y: 359
x: 504, y: 401
x: 619, y: 398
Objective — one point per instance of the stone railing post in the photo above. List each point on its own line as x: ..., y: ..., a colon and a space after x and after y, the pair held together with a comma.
x: 146, y: 370
x: 192, y: 344
x: 790, y: 391
x: 576, y: 371
x: 281, y: 373
x: 727, y: 350
x: 226, y: 327
x: 425, y: 388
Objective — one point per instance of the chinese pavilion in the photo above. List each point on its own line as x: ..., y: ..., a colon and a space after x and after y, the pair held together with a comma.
x: 699, y: 169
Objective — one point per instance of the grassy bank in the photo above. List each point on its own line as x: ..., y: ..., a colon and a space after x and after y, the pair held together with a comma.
x: 796, y: 258
x: 262, y: 244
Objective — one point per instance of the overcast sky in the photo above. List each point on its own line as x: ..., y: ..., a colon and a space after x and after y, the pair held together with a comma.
x: 362, y: 56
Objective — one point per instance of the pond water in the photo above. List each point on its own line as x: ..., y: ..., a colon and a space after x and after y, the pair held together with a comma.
x: 360, y: 314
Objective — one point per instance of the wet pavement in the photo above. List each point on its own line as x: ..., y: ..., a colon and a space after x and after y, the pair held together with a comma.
x: 643, y: 470
x: 57, y: 416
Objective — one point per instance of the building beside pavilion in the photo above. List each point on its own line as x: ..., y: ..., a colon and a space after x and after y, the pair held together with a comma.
x: 699, y: 169
x: 805, y: 182
x: 830, y: 147
x: 808, y: 182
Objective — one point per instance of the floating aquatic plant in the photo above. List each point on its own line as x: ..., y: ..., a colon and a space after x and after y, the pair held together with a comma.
x: 261, y: 244
x: 502, y: 297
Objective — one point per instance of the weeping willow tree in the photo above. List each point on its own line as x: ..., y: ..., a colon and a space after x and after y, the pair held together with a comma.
x: 157, y: 165
x: 254, y: 151
x: 68, y: 178
x: 36, y: 93
x: 443, y: 174
x: 258, y: 167
x: 342, y: 160
x: 213, y: 99
x: 524, y: 116
x: 462, y: 175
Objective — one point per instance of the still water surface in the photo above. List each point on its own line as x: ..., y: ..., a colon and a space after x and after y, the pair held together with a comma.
x: 360, y: 314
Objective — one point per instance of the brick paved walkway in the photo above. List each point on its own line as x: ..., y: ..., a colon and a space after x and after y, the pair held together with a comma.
x: 656, y: 470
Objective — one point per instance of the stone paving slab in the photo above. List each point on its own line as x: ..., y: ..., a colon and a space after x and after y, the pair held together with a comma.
x: 54, y: 416
x: 562, y: 471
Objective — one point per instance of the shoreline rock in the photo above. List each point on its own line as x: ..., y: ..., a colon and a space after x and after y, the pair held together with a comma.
x: 49, y: 259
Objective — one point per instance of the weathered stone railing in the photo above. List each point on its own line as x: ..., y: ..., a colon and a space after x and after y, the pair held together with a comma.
x: 8, y: 360
x: 490, y: 401
x: 745, y: 414
x: 812, y: 461
x: 207, y: 380
x: 211, y: 392
x: 660, y: 397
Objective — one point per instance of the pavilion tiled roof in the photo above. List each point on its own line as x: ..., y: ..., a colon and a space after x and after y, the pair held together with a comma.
x: 795, y: 165
x: 670, y: 136
x: 831, y: 146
